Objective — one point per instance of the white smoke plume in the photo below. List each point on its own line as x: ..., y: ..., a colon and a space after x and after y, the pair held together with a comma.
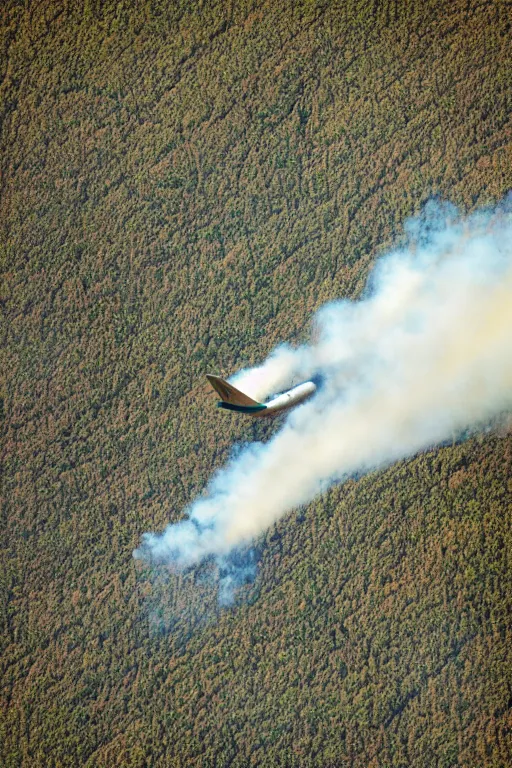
x: 423, y: 356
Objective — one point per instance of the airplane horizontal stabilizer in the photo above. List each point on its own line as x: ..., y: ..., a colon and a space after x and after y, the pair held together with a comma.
x: 242, y: 408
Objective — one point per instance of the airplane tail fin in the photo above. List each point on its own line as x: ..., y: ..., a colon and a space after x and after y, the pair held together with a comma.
x: 231, y: 397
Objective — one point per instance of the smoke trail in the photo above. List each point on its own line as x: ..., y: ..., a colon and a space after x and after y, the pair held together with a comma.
x: 424, y: 355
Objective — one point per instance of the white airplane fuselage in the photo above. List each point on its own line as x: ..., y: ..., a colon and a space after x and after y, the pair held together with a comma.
x: 289, y: 399
x: 239, y: 402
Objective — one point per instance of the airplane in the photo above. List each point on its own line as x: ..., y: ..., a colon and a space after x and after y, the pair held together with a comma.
x: 234, y: 400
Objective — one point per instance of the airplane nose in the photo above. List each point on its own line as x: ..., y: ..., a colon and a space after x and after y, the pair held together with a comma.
x: 318, y: 380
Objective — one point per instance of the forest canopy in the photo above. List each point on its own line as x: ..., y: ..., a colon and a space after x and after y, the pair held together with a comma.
x: 182, y: 185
